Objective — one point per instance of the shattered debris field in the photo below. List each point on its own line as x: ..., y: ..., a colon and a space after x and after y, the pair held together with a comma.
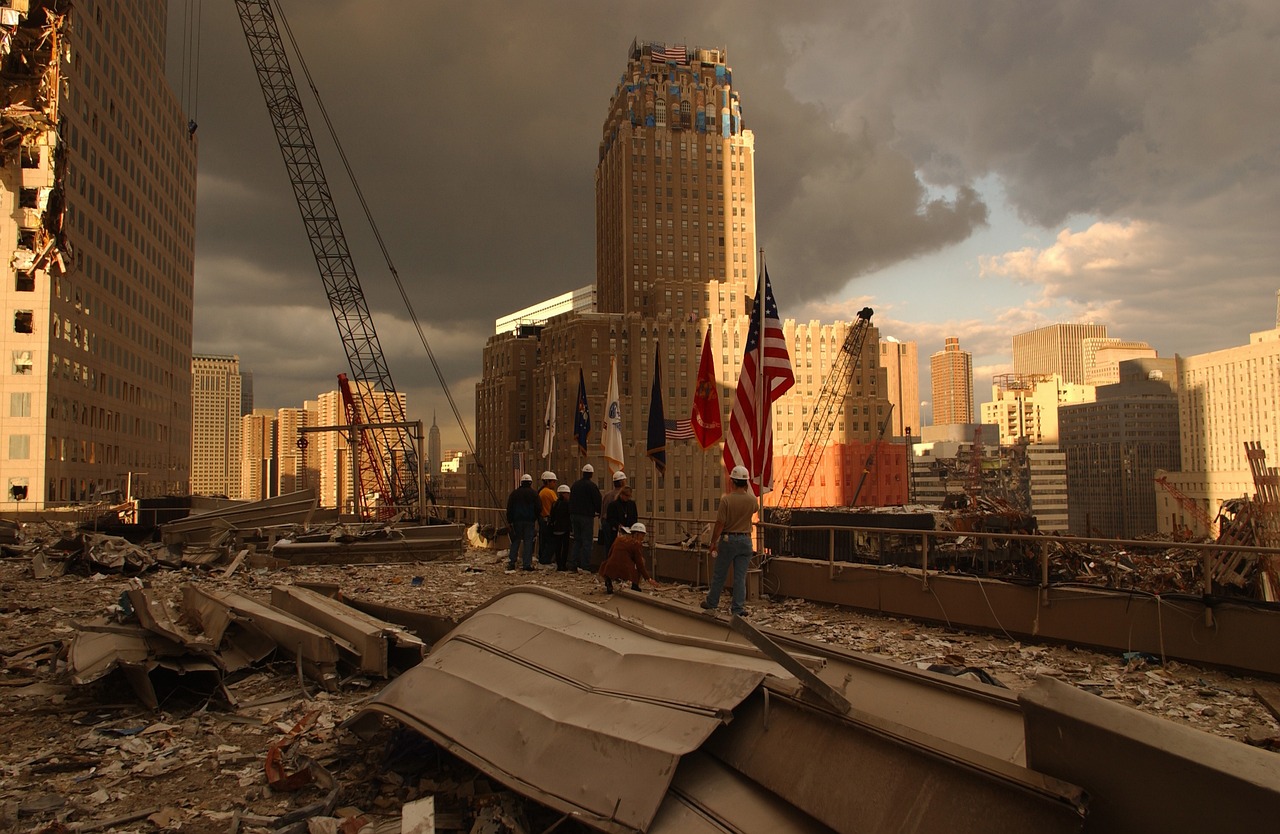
x: 251, y: 737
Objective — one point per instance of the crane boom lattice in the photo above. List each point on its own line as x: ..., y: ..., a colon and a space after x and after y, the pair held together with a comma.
x: 369, y: 372
x: 834, y: 390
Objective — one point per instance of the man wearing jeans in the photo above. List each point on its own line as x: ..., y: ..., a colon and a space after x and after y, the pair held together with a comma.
x: 731, y: 542
x: 584, y: 506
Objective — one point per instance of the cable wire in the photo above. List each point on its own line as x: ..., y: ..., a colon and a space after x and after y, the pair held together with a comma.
x: 382, y: 246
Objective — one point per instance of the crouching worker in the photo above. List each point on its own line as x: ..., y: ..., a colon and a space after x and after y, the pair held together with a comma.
x: 626, y: 559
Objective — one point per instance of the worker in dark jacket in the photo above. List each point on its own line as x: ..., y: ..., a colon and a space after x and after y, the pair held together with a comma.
x: 621, y: 512
x: 560, y: 524
x: 584, y: 506
x: 522, y: 520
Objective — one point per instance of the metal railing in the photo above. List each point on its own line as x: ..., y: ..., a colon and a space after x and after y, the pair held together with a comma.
x: 871, y: 545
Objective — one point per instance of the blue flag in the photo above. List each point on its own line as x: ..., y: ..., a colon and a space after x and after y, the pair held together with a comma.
x: 657, y: 422
x: 582, y: 416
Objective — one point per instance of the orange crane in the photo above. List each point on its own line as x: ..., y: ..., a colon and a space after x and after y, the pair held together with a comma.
x: 1189, y: 505
x: 834, y: 390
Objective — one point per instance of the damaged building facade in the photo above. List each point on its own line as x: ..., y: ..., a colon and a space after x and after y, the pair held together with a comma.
x: 676, y: 253
x: 98, y: 188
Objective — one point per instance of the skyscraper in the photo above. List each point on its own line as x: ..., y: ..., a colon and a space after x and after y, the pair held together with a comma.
x: 675, y: 258
x: 1055, y: 349
x: 951, y: 375
x: 98, y: 176
x: 433, y: 448
x: 901, y: 364
x: 215, y: 398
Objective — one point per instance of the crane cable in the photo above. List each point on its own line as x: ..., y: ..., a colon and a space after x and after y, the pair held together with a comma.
x: 386, y: 254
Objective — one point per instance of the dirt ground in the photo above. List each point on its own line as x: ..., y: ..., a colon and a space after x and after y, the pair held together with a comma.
x: 92, y: 758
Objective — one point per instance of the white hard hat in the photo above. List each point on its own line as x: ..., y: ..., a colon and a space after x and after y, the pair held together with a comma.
x: 740, y: 473
x: 526, y: 479
x: 588, y: 468
x: 619, y: 476
x: 638, y: 527
x: 548, y: 475
x: 563, y: 488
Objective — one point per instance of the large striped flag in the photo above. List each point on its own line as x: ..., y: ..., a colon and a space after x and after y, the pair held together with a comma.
x: 750, y: 439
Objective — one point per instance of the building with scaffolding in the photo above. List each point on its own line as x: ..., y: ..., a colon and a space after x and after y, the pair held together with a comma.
x: 676, y: 258
x: 98, y: 176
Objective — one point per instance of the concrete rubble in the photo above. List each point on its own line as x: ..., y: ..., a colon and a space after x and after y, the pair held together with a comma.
x: 93, y: 756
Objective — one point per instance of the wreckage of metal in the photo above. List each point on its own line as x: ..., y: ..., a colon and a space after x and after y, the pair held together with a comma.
x: 237, y: 632
x: 294, y: 508
x: 650, y: 717
x: 630, y: 728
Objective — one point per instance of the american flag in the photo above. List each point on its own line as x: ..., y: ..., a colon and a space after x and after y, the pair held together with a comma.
x: 749, y: 442
x: 670, y: 53
x: 679, y: 430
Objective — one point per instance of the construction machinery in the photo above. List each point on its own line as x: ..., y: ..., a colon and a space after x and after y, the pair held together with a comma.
x: 835, y: 388
x: 389, y: 450
x: 871, y: 457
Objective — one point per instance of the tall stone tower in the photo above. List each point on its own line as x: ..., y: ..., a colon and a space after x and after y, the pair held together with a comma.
x: 675, y: 187
x: 951, y: 372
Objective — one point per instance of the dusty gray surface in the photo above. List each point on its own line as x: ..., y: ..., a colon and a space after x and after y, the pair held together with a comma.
x: 91, y: 753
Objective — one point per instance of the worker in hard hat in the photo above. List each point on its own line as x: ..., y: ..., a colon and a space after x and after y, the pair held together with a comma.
x: 608, y: 526
x: 626, y: 559
x: 731, y: 542
x: 547, y: 499
x: 522, y: 521
x: 584, y: 506
x: 560, y: 524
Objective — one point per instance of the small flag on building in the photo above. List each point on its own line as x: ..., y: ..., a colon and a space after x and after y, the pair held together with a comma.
x: 657, y: 422
x: 679, y: 430
x: 582, y: 417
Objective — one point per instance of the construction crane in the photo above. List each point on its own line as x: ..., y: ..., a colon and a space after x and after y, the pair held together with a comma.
x: 1188, y: 504
x: 871, y: 457
x: 834, y: 390
x: 389, y: 450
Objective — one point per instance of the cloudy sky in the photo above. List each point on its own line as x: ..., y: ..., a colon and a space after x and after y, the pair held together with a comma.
x: 970, y: 168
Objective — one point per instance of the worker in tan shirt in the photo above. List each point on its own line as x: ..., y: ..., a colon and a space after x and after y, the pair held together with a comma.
x: 731, y: 542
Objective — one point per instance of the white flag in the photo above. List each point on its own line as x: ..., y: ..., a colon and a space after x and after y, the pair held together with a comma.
x: 550, y: 428
x: 611, y: 436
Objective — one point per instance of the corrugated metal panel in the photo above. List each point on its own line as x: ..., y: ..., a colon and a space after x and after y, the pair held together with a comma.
x: 583, y: 712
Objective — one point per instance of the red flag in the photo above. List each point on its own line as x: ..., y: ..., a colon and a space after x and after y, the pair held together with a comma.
x: 706, y: 419
x: 750, y: 440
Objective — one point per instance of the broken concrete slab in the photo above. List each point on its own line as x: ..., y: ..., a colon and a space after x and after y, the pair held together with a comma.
x: 1205, y: 783
x: 379, y: 646
x: 218, y: 611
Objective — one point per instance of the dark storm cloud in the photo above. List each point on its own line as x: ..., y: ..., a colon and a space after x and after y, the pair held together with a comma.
x: 474, y: 129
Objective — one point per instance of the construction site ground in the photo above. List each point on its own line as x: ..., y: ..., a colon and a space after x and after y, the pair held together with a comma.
x: 86, y: 758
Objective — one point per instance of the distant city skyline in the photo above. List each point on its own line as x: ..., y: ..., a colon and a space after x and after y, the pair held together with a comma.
x: 898, y: 169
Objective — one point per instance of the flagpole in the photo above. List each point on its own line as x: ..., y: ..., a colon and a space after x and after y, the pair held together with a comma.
x: 757, y: 467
